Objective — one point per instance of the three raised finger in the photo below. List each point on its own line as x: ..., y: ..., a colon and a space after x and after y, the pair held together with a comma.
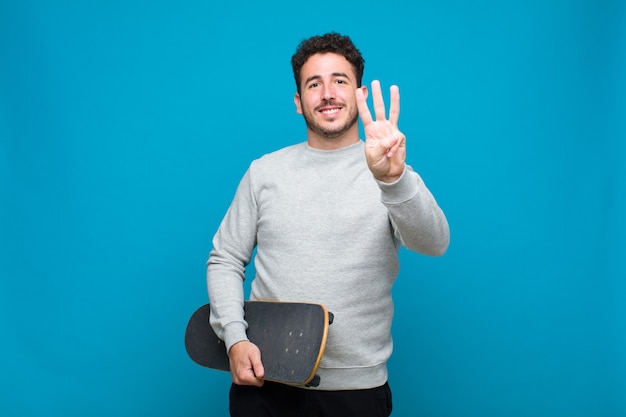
x: 379, y: 104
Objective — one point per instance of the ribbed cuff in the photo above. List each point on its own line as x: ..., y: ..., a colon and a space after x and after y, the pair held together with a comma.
x: 403, y: 189
x: 234, y: 332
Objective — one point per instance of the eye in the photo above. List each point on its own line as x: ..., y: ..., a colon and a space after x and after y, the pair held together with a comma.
x: 314, y: 85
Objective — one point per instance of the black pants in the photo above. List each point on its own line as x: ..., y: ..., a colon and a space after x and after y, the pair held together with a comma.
x: 278, y: 400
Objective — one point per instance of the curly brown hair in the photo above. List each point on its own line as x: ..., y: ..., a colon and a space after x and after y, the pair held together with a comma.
x: 330, y: 42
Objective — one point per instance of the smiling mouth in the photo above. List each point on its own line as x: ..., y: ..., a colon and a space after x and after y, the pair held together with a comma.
x: 329, y: 111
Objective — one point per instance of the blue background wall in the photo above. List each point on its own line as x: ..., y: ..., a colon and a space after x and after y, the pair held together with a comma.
x: 126, y: 125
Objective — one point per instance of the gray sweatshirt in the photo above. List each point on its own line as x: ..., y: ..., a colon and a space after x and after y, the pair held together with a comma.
x: 325, y: 231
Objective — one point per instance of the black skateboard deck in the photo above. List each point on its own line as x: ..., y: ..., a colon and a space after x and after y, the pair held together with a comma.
x: 290, y: 336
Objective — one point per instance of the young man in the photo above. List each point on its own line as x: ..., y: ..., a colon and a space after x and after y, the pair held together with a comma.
x: 327, y: 217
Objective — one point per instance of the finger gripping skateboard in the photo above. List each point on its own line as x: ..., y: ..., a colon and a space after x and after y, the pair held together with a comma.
x: 290, y: 336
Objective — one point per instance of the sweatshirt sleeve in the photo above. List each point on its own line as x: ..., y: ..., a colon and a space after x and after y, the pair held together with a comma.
x: 418, y: 221
x: 232, y: 249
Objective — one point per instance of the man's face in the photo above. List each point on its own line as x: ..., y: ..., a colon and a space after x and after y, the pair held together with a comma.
x: 327, y: 100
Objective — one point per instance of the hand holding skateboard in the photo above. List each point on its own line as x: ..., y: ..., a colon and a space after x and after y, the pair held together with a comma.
x: 245, y: 364
x: 291, y: 338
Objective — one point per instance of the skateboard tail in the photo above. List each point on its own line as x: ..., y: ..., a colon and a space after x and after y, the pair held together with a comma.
x: 314, y: 379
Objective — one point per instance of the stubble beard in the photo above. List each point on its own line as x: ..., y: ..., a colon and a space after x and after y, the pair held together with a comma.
x: 326, y: 132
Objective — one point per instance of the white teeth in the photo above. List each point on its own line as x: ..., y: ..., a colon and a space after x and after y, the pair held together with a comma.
x: 330, y: 111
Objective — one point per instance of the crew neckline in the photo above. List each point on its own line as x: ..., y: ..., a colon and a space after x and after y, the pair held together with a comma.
x: 345, y: 150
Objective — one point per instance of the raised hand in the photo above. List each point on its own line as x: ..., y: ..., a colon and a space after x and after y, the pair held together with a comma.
x: 385, y: 145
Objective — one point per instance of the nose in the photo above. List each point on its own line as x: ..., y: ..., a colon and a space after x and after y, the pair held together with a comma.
x: 329, y: 92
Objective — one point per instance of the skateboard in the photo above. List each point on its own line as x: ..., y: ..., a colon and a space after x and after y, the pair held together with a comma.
x: 290, y: 336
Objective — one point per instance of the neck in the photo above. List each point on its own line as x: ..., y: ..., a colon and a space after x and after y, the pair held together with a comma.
x: 328, y: 144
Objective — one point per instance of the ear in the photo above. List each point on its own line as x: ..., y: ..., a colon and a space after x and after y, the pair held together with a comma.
x: 298, y: 102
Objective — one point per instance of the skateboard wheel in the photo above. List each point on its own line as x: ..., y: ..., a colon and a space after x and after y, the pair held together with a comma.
x: 315, y: 382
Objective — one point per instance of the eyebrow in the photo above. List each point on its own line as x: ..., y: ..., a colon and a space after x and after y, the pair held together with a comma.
x: 317, y: 77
